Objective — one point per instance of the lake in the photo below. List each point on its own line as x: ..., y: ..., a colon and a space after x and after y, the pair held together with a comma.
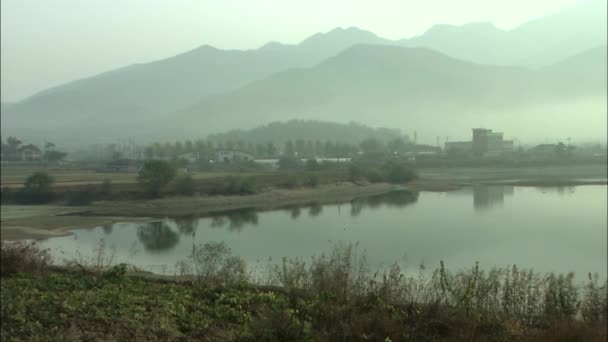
x: 547, y: 229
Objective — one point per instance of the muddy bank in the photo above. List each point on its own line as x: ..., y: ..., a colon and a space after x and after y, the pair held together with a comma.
x: 267, y: 200
x: 43, y: 221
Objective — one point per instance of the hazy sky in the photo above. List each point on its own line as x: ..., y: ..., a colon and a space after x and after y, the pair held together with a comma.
x: 45, y: 43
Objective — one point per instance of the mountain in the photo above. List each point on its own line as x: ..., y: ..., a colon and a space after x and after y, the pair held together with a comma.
x: 411, y: 88
x: 536, y: 43
x: 120, y: 103
x: 142, y: 92
x: 308, y: 130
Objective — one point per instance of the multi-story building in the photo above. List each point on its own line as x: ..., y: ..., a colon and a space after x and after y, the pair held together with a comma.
x: 485, y: 143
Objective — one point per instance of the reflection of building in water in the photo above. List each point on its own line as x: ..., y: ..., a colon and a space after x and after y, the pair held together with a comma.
x: 485, y: 196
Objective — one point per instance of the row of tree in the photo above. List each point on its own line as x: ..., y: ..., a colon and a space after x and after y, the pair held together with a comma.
x: 13, y: 147
x: 206, y: 149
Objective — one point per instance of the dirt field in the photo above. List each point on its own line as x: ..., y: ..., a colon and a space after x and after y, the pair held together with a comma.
x: 14, y: 178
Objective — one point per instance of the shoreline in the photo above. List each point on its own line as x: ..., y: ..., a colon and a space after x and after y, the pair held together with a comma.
x: 45, y: 221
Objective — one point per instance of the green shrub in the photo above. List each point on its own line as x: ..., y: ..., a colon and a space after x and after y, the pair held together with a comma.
x: 155, y: 175
x: 293, y: 182
x: 313, y: 180
x: 185, y: 185
x: 105, y: 189
x: 17, y: 257
x: 289, y: 163
x: 6, y: 194
x: 398, y: 172
x: 312, y: 165
x: 235, y: 185
x: 81, y: 197
x: 214, y: 262
x: 37, y: 189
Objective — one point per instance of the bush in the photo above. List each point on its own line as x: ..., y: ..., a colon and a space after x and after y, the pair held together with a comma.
x: 6, y: 194
x: 105, y: 189
x: 289, y: 163
x: 37, y: 189
x: 81, y: 197
x: 214, y: 262
x: 22, y: 257
x: 312, y: 165
x: 185, y: 185
x: 293, y: 182
x: 155, y: 175
x: 398, y: 172
x: 313, y: 180
x: 234, y: 185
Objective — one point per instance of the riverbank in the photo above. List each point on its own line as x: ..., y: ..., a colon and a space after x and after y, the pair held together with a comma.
x: 38, y: 222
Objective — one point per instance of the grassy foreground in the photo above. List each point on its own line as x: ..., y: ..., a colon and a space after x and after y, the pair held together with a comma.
x: 332, y: 299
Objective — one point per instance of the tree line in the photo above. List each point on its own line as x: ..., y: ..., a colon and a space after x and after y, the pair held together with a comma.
x: 206, y: 149
x: 13, y: 147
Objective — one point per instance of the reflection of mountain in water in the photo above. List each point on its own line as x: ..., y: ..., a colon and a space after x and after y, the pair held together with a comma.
x: 397, y: 199
x: 485, y: 197
x: 157, y: 236
x: 236, y: 219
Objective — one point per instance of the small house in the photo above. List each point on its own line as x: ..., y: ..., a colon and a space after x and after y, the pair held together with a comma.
x: 229, y: 156
x: 30, y: 153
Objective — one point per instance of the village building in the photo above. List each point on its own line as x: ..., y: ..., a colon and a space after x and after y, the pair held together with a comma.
x: 30, y: 153
x: 229, y: 156
x: 484, y: 143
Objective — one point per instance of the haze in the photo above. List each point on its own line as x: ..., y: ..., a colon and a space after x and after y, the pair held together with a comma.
x: 46, y: 43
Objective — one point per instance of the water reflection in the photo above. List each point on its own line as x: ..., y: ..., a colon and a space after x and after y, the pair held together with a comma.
x: 294, y: 212
x: 485, y: 197
x: 157, y: 236
x: 236, y: 219
x: 186, y: 225
x: 397, y: 199
x: 107, y: 228
x: 315, y: 209
x: 561, y: 190
x: 562, y: 232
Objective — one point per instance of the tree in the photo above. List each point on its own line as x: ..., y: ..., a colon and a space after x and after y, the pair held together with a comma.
x: 271, y: 150
x: 12, y: 148
x: 155, y: 175
x: 54, y: 156
x: 397, y: 145
x: 289, y: 149
x: 37, y: 189
x: 372, y: 147
x: 289, y: 163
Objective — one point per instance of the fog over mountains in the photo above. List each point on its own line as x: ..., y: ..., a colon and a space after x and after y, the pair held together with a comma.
x: 548, y: 73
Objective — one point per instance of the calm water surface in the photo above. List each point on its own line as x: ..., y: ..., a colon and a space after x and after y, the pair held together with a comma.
x: 547, y: 229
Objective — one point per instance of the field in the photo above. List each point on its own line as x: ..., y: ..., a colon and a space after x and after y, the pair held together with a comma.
x: 15, y: 177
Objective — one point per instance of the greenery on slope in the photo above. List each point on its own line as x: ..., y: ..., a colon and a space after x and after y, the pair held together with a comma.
x: 334, y: 297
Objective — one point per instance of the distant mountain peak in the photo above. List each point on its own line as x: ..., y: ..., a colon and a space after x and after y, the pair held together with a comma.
x: 469, y: 27
x: 273, y: 46
x: 340, y: 34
